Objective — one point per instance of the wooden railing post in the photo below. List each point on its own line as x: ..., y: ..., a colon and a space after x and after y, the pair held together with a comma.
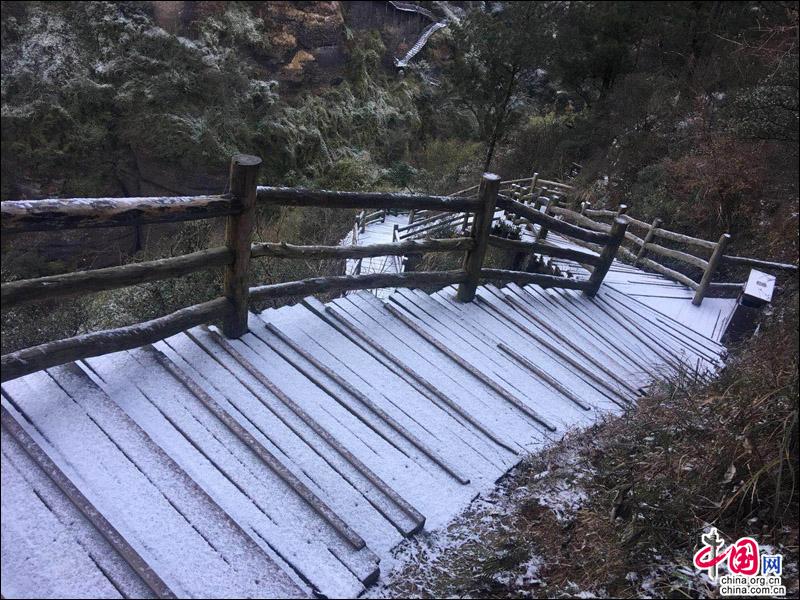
x: 238, y: 238
x: 623, y: 208
x: 543, y: 229
x: 534, y: 179
x: 481, y: 227
x: 708, y: 274
x: 647, y: 239
x: 607, y: 255
x: 411, y: 216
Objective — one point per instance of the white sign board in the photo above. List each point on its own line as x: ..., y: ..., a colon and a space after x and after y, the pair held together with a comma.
x: 759, y: 286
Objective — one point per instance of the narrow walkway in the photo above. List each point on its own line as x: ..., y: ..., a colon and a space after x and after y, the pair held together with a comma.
x: 291, y: 461
x: 377, y: 233
x: 668, y: 297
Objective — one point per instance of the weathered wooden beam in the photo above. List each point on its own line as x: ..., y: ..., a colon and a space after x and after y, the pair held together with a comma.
x: 481, y: 227
x: 427, y: 220
x: 755, y: 262
x: 441, y: 223
x: 546, y: 249
x: 711, y: 268
x: 607, y: 255
x: 599, y: 212
x: 580, y: 219
x: 82, y: 282
x: 647, y: 238
x: 535, y: 216
x: 342, y: 283
x: 329, y: 199
x: 84, y: 213
x: 11, y: 423
x: 678, y: 255
x: 524, y: 278
x: 479, y: 374
x: 284, y: 250
x: 50, y: 354
x: 684, y: 239
x: 238, y: 239
x: 677, y: 276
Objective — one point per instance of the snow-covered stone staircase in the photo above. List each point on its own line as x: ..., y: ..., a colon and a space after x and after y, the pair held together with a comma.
x: 291, y: 461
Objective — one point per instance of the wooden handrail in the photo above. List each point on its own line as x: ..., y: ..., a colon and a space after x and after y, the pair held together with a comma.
x: 433, y: 226
x: 755, y: 262
x: 235, y: 256
x: 678, y: 255
x: 284, y: 250
x: 545, y: 249
x: 535, y: 216
x: 50, y: 354
x: 329, y: 199
x: 83, y: 213
x: 342, y: 283
x: 58, y: 286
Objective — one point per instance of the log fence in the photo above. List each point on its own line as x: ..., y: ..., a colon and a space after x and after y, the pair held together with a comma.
x: 238, y: 207
x: 542, y: 194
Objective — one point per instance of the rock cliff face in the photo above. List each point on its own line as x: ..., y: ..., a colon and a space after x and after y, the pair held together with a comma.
x: 150, y: 98
x: 106, y: 77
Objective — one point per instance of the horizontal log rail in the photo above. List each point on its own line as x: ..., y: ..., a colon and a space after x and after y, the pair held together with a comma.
x: 671, y: 273
x: 18, y: 216
x: 284, y: 250
x: 50, y: 354
x: 434, y: 226
x: 545, y: 249
x: 755, y: 262
x: 580, y: 219
x: 683, y: 239
x: 426, y: 220
x: 552, y: 223
x: 97, y: 280
x: 329, y: 199
x: 524, y: 278
x: 343, y: 283
x: 677, y: 255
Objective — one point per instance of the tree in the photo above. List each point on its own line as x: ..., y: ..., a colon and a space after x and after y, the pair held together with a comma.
x: 596, y: 44
x: 493, y: 49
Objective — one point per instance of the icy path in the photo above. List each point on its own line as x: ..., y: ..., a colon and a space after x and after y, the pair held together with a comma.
x: 292, y: 461
x: 657, y: 292
x: 377, y: 233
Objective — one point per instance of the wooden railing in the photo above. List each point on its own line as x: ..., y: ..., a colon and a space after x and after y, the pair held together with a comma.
x: 546, y: 195
x: 238, y: 207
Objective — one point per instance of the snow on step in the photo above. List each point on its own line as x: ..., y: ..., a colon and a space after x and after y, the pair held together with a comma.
x: 535, y: 301
x: 477, y: 398
x: 251, y: 491
x: 478, y: 346
x: 164, y: 515
x: 50, y: 549
x: 591, y: 384
x: 449, y: 439
x: 419, y: 473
